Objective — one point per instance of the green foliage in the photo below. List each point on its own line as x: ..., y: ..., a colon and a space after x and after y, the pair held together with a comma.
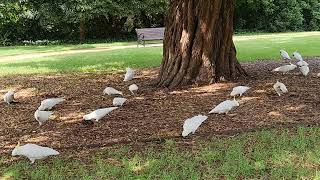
x: 277, y: 16
x: 117, y: 19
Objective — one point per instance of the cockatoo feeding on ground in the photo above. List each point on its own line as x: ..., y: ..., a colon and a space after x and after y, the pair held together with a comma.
x: 280, y: 88
x: 119, y: 101
x: 33, y: 152
x: 112, y: 91
x: 297, y: 56
x: 286, y: 68
x: 48, y: 104
x: 192, y: 124
x: 285, y: 55
x: 225, y: 107
x: 304, y: 70
x: 9, y: 97
x: 98, y: 114
x: 129, y: 75
x: 42, y: 116
x: 239, y: 90
x: 133, y: 88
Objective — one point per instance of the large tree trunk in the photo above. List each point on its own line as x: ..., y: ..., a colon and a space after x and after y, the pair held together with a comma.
x: 198, y: 43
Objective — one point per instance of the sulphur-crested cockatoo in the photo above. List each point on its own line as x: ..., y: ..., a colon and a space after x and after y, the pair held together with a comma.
x: 286, y: 68
x: 225, y: 107
x: 9, y: 97
x: 33, y: 152
x: 42, y: 116
x: 280, y: 88
x: 302, y: 63
x: 285, y: 55
x: 318, y: 74
x: 98, y: 114
x: 192, y: 124
x: 304, y: 70
x: 112, y: 91
x: 119, y: 101
x: 129, y: 75
x: 239, y: 90
x: 133, y: 88
x: 48, y: 104
x: 297, y: 56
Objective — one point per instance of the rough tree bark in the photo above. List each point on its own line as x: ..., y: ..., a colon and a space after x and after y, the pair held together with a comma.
x: 198, y: 43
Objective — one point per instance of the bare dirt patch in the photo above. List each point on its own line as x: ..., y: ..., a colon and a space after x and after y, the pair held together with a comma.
x: 154, y: 114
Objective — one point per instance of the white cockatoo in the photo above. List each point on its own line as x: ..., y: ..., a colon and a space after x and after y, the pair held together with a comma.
x: 280, y: 88
x: 286, y: 68
x: 9, y: 97
x: 302, y: 63
x: 112, y: 91
x: 192, y: 124
x: 318, y: 75
x: 42, y: 116
x: 133, y: 88
x: 119, y: 101
x: 98, y: 114
x: 48, y: 104
x: 129, y: 74
x: 225, y: 107
x: 297, y: 56
x: 33, y: 152
x: 239, y: 90
x: 304, y: 70
x: 285, y: 55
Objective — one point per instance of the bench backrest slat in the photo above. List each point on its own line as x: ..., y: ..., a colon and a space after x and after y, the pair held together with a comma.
x: 151, y: 33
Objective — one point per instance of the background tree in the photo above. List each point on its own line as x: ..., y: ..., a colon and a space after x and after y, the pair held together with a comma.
x: 198, y: 43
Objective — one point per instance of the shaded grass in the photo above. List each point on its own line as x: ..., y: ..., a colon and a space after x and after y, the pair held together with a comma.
x: 275, y: 154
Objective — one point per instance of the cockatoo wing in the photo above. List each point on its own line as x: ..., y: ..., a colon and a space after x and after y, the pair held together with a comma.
x: 33, y: 151
x: 119, y: 101
x: 129, y: 75
x: 302, y: 63
x: 239, y: 90
x: 133, y: 88
x: 50, y: 103
x: 284, y: 54
x: 99, y: 113
x: 42, y: 116
x: 304, y: 70
x: 8, y: 97
x: 297, y: 56
x: 285, y: 68
x: 192, y: 124
x: 111, y: 91
x: 222, y: 107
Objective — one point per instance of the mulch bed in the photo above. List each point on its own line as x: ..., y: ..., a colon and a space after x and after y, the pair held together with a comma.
x: 154, y: 114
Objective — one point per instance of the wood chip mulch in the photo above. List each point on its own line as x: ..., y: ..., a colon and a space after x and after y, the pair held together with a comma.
x: 154, y: 114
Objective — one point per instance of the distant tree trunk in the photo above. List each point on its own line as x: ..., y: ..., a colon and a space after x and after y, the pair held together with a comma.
x: 82, y: 30
x: 198, y: 43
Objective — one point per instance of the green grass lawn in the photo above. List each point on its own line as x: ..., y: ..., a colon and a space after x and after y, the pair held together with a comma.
x: 249, y: 47
x: 88, y: 62
x: 275, y: 154
x: 28, y: 49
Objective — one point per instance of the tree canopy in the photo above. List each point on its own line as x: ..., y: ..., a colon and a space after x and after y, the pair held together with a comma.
x: 116, y: 19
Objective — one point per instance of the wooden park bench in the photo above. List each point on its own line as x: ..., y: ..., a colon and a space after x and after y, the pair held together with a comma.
x: 147, y: 34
